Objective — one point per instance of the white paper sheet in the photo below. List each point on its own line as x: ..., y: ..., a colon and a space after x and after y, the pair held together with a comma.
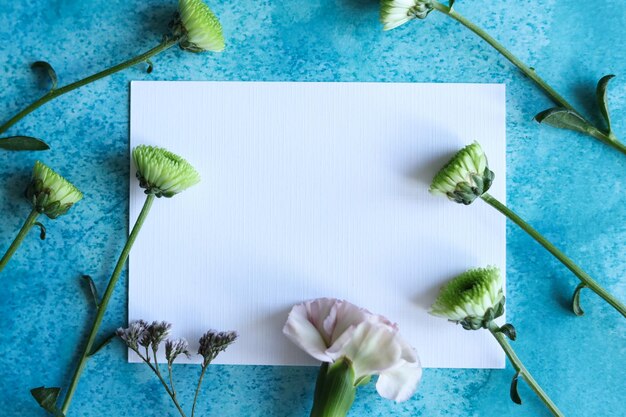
x: 311, y: 190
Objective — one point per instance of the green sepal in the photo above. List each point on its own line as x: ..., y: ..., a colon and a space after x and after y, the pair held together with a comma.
x: 23, y: 143
x: 563, y: 118
x: 334, y: 390
x: 475, y: 323
x: 602, y: 99
x: 509, y: 331
x: 576, y: 299
x: 47, y: 399
x: 513, y: 392
x: 52, y: 74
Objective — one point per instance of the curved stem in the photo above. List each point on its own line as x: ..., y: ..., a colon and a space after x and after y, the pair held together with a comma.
x: 607, y: 138
x: 167, y: 43
x: 582, y: 275
x: 102, y: 307
x: 523, y: 372
x: 28, y: 224
x: 195, y: 397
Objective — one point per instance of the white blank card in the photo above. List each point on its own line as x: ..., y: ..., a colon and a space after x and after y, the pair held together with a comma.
x: 314, y: 190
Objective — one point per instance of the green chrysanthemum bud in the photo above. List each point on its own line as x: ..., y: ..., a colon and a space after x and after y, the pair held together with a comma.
x: 50, y: 193
x: 200, y: 25
x: 163, y: 173
x: 394, y: 13
x: 472, y: 299
x: 466, y: 177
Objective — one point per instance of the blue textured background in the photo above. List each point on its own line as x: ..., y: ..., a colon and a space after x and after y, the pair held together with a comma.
x: 568, y: 186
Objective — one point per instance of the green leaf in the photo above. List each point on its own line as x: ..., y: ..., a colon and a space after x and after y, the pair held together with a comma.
x: 23, y: 143
x: 514, y: 394
x: 47, y: 399
x: 602, y: 100
x: 509, y: 331
x: 562, y: 118
x: 42, y: 233
x: 48, y: 68
x: 451, y: 3
x: 576, y: 299
x: 93, y: 290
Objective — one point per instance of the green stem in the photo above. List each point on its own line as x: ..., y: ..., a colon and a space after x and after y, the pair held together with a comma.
x: 102, y: 307
x: 28, y: 224
x: 195, y: 397
x: 334, y: 390
x: 582, y: 275
x: 523, y: 372
x: 606, y: 138
x: 54, y: 93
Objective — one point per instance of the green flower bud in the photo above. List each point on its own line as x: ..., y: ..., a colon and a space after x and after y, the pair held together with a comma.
x: 50, y: 193
x: 163, y: 173
x: 473, y: 299
x: 394, y: 13
x: 466, y: 177
x: 200, y: 25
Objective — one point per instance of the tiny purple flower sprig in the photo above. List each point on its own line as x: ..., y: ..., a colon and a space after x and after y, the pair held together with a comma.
x: 145, y: 340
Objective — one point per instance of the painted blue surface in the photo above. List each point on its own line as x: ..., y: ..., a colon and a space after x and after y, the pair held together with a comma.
x: 568, y: 186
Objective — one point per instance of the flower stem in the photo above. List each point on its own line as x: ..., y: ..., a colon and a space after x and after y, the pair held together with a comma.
x: 195, y: 397
x: 56, y: 92
x: 334, y: 390
x: 102, y: 307
x: 523, y: 372
x: 28, y: 224
x: 582, y: 275
x: 606, y: 138
x: 155, y: 369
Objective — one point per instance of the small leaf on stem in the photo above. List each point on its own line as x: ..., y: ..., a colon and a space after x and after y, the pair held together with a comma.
x: 576, y: 299
x: 514, y: 394
x: 564, y: 119
x: 47, y: 399
x: 450, y: 4
x: 93, y: 290
x: 23, y: 143
x: 42, y: 233
x: 48, y: 68
x: 509, y: 331
x: 602, y: 100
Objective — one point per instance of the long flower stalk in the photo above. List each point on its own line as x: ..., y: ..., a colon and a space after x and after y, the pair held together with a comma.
x: 522, y: 371
x: 28, y: 224
x: 194, y: 28
x: 102, y: 306
x: 397, y: 12
x: 475, y: 299
x: 467, y: 177
x: 57, y: 92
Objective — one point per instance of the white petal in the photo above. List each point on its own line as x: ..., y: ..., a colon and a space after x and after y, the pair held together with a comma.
x: 304, y: 334
x: 372, y: 347
x: 401, y: 382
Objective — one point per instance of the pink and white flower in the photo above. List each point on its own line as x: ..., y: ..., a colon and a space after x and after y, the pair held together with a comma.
x: 331, y: 330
